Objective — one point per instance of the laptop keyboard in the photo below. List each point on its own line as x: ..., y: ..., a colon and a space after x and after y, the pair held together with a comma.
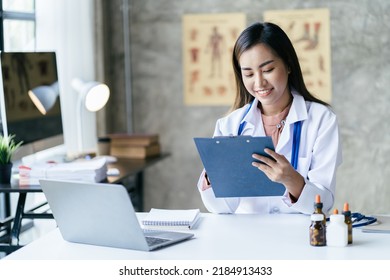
x: 155, y: 240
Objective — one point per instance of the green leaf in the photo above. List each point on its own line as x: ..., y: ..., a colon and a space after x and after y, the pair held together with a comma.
x: 7, y: 147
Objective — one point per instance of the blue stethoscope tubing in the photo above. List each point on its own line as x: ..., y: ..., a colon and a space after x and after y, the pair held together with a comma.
x: 360, y: 220
x: 296, y: 143
x: 296, y: 137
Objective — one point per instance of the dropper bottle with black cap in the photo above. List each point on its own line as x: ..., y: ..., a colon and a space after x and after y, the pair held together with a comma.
x: 318, y: 208
x: 348, y: 220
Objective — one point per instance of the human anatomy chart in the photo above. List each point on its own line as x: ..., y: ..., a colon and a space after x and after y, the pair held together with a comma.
x: 208, y: 41
x: 309, y: 31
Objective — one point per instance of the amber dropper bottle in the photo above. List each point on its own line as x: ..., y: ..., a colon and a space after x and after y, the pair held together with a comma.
x: 348, y: 220
x: 318, y: 208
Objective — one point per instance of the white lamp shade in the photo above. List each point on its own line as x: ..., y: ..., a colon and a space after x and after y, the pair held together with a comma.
x: 44, y: 97
x: 97, y: 97
x: 94, y: 95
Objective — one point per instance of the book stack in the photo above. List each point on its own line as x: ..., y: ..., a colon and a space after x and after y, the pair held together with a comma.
x: 94, y: 170
x: 136, y: 146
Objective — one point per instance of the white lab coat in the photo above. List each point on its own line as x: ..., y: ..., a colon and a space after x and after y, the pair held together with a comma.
x: 319, y: 157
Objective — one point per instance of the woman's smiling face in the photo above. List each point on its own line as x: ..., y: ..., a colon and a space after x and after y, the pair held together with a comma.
x: 265, y: 76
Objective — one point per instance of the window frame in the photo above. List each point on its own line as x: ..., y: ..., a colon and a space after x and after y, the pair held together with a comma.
x: 18, y: 16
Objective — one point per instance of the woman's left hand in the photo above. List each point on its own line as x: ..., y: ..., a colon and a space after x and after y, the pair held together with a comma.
x: 278, y: 169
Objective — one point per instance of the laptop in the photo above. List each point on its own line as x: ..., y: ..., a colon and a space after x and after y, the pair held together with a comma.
x: 102, y: 214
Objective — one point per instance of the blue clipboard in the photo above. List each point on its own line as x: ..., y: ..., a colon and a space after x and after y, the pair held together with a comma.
x: 228, y: 163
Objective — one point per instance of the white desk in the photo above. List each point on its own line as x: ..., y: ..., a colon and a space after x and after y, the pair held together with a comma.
x: 224, y: 237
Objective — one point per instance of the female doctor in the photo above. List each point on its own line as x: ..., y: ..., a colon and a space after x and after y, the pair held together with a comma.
x: 272, y: 100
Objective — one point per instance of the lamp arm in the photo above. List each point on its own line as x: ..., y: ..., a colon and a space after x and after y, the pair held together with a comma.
x: 79, y: 123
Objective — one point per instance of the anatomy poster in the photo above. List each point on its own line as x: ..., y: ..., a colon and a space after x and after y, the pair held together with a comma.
x: 309, y: 31
x: 208, y: 41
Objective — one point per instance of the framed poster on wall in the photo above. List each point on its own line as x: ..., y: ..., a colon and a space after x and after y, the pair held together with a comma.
x: 208, y: 41
x: 309, y: 31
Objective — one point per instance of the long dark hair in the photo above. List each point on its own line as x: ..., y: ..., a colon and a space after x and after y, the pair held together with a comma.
x: 275, y: 38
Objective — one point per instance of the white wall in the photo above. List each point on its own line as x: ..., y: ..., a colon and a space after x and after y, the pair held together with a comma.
x: 67, y: 27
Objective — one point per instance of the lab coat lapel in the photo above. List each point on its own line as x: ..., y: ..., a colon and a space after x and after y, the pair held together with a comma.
x: 285, y: 139
x: 297, y: 113
x: 254, y: 123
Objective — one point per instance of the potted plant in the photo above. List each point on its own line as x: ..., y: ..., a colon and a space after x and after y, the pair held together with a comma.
x: 7, y: 147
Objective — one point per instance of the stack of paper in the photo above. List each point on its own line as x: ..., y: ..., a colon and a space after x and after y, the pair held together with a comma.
x: 171, y: 219
x: 94, y: 170
x: 381, y: 226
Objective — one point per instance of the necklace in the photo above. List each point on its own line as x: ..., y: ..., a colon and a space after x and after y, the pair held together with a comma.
x: 282, y: 123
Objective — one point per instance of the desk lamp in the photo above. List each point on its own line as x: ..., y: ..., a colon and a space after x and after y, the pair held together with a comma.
x: 93, y: 96
x: 44, y: 97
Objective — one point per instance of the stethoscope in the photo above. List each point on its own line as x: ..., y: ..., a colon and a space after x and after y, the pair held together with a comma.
x: 296, y: 137
x: 360, y: 220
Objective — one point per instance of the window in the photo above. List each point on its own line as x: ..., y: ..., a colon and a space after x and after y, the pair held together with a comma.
x: 17, y: 25
x: 65, y: 27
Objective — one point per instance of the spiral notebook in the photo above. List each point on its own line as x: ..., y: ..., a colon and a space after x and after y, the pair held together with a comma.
x: 171, y: 219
